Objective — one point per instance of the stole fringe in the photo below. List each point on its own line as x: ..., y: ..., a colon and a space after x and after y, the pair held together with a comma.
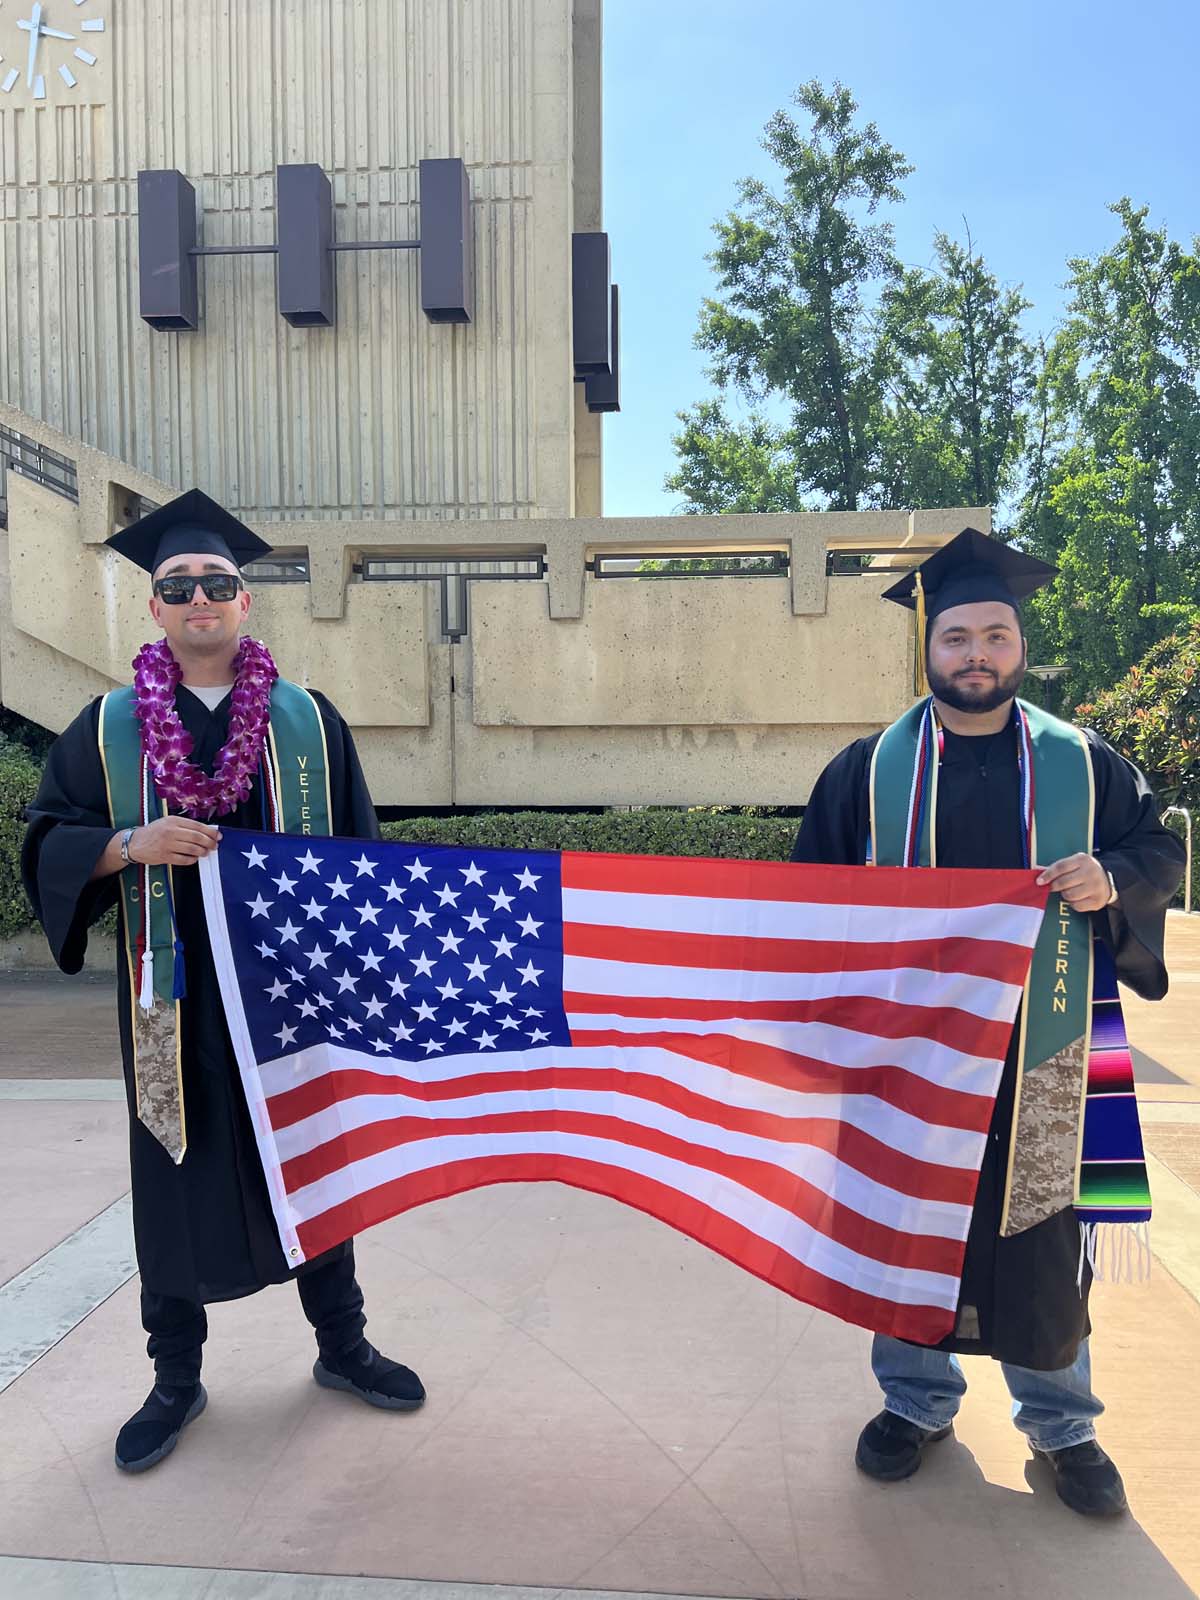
x: 1117, y: 1252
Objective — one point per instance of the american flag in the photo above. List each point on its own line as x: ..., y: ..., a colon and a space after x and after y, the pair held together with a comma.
x: 795, y: 1065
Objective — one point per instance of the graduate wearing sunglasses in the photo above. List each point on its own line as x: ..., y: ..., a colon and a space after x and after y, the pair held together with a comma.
x: 133, y: 795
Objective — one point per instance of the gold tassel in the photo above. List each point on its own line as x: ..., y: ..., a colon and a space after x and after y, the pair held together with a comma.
x: 921, y: 682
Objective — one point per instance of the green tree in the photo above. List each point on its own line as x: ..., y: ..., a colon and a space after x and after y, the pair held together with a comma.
x: 960, y: 378
x: 1114, y: 479
x: 792, y: 322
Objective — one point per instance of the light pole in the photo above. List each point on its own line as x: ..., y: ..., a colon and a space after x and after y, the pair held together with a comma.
x: 1047, y: 674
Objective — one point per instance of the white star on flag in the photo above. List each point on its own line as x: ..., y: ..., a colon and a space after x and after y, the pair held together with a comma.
x: 285, y: 1035
x: 374, y: 1007
x: 255, y: 856
x: 529, y: 927
x: 278, y: 990
x: 503, y: 946
x: 500, y: 900
x: 476, y: 969
x: 308, y: 862
x: 476, y: 923
x: 422, y: 966
x: 370, y: 960
x: 423, y: 917
x: 364, y: 865
x: 530, y: 973
x: 471, y: 874
x: 260, y: 907
x: 416, y: 870
x: 486, y: 1040
x: 285, y: 884
x: 314, y: 909
x: 288, y: 932
x: 342, y: 935
x: 393, y: 890
x: 527, y: 879
x: 338, y: 889
x: 317, y: 957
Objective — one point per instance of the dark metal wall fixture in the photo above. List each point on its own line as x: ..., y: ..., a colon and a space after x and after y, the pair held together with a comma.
x: 594, y: 327
x: 304, y: 246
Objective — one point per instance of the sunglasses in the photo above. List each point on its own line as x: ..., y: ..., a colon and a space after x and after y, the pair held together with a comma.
x: 178, y: 590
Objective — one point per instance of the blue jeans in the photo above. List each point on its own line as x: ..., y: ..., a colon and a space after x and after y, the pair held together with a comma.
x: 1053, y: 1409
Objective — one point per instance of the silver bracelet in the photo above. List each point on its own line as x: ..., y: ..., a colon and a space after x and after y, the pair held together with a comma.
x: 125, y: 838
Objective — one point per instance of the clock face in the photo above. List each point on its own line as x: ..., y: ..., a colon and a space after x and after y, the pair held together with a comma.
x: 51, y: 38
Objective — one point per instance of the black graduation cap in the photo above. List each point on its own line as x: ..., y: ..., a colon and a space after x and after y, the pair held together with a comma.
x: 970, y: 568
x: 192, y: 524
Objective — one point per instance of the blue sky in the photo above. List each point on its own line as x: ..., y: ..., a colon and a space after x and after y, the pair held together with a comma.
x: 1027, y: 118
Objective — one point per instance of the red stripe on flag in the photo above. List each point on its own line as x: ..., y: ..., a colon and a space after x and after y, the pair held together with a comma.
x: 923, y: 1324
x: 940, y: 889
x: 927, y: 1102
x: 862, y: 1014
x: 922, y: 1179
x: 980, y: 958
x: 826, y: 1215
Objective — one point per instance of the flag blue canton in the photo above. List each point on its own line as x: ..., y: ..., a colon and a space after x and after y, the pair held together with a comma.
x: 399, y: 950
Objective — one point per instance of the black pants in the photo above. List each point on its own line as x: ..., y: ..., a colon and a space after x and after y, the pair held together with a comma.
x: 329, y: 1294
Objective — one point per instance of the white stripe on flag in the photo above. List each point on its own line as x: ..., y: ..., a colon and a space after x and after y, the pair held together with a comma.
x: 834, y: 1178
x: 905, y: 1285
x: 982, y: 997
x: 839, y: 1047
x: 797, y: 919
x: 899, y: 1129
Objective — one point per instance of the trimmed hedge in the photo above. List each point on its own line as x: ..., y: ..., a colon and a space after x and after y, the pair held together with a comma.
x: 19, y: 776
x: 654, y: 832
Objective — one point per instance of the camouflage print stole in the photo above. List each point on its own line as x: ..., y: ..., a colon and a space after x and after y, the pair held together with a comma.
x: 294, y: 774
x: 1076, y: 1140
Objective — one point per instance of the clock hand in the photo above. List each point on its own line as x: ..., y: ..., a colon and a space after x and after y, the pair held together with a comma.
x: 54, y: 33
x: 35, y: 23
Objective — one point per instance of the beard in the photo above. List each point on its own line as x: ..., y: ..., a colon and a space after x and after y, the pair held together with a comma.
x: 974, y: 697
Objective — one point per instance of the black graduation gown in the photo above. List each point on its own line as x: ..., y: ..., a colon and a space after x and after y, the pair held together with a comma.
x: 1022, y: 1290
x: 203, y: 1230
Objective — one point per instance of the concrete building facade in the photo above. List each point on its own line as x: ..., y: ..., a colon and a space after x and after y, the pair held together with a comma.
x: 434, y: 489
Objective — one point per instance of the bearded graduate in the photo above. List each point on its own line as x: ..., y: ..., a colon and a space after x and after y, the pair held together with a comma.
x: 971, y: 776
x: 132, y: 797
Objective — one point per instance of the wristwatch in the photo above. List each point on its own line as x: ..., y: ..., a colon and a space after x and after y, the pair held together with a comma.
x: 125, y: 838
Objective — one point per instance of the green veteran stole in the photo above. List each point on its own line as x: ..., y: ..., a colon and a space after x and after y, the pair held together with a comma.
x: 1076, y: 1140
x: 293, y: 775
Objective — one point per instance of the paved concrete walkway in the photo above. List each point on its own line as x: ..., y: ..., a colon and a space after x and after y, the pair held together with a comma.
x: 611, y: 1407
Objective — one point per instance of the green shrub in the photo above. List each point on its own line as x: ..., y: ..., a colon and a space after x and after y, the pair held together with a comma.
x: 654, y: 831
x: 19, y: 775
x: 1153, y: 716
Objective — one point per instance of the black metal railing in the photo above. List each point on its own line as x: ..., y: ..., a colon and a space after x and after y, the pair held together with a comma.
x: 452, y: 575
x: 38, y: 463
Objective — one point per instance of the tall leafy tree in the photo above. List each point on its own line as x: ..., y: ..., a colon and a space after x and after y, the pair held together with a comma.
x: 792, y: 319
x: 1114, y: 493
x: 960, y: 377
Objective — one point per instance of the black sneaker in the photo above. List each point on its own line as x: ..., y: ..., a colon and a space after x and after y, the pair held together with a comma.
x: 1086, y: 1479
x: 372, y: 1377
x: 153, y: 1432
x: 889, y: 1447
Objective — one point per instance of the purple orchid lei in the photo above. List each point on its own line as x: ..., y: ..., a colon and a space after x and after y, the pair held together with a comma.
x: 167, y: 744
